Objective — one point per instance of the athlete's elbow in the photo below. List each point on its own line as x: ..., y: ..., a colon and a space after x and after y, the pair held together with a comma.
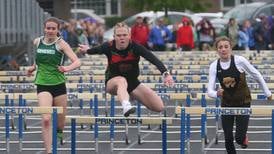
x: 78, y: 63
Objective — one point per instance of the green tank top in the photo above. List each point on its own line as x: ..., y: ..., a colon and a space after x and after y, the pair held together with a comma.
x: 48, y: 58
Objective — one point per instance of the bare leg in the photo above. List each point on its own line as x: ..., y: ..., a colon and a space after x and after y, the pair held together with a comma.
x: 45, y: 100
x: 62, y: 102
x: 118, y: 86
x: 148, y: 98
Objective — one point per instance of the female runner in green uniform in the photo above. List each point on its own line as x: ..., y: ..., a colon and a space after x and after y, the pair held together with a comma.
x: 50, y: 78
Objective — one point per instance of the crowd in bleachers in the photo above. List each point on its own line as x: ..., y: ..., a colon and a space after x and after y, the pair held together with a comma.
x: 185, y: 36
x: 84, y: 31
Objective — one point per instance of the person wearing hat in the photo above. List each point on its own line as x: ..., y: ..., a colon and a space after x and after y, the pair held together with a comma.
x: 185, y: 37
x: 140, y: 32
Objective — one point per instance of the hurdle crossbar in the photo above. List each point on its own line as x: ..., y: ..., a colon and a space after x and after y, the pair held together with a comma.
x: 29, y: 110
x: 119, y: 120
x: 255, y: 110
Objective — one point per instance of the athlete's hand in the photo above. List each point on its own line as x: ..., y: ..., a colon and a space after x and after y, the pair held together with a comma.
x: 31, y: 70
x: 220, y: 92
x: 63, y: 69
x: 83, y: 48
x: 269, y: 98
x: 168, y: 80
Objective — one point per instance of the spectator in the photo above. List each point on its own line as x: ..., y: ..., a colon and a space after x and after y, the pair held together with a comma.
x: 260, y: 33
x: 64, y: 30
x: 82, y: 39
x: 99, y: 33
x: 248, y: 29
x: 206, y: 34
x: 140, y: 32
x: 159, y: 36
x: 175, y: 28
x: 9, y: 62
x: 242, y: 39
x: 72, y: 39
x: 185, y: 37
x: 232, y: 32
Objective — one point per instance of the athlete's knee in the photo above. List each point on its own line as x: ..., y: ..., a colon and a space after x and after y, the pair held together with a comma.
x: 46, y: 120
x: 121, y: 81
x: 159, y: 108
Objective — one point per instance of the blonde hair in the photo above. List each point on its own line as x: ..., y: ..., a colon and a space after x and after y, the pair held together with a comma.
x: 222, y: 38
x: 120, y: 25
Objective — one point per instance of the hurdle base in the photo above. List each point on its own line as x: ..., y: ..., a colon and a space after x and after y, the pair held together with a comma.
x: 223, y: 149
x: 59, y: 149
x: 144, y: 149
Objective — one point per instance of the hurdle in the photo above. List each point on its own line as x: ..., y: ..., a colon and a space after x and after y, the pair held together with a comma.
x: 166, y: 97
x: 21, y: 97
x: 116, y: 121
x: 15, y: 110
x: 256, y: 111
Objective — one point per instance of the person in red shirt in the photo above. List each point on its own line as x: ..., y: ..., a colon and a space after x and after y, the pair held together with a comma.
x: 185, y: 37
x: 140, y: 32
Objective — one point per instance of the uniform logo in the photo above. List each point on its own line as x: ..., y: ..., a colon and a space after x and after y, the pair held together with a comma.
x: 229, y: 82
x: 46, y: 51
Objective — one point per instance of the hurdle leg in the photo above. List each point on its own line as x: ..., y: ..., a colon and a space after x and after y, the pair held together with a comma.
x: 148, y: 114
x: 73, y: 136
x: 272, y: 137
x: 24, y: 116
x: 217, y: 117
x: 139, y: 125
x: 54, y: 131
x: 12, y: 116
x: 96, y: 133
x: 7, y: 125
x: 164, y: 137
x: 217, y: 129
x: 81, y: 104
x: 203, y: 135
x: 204, y: 117
x: 112, y: 113
x: 20, y: 125
x: 188, y: 132
x: 188, y: 104
x: 182, y: 137
x: 90, y: 111
x: 106, y: 104
x: 126, y: 133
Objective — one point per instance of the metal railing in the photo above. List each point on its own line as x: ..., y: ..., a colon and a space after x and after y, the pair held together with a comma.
x: 20, y: 22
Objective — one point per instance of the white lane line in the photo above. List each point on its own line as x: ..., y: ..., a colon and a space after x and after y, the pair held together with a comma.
x: 136, y: 142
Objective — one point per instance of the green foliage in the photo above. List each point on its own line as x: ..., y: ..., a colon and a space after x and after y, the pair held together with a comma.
x: 173, y: 5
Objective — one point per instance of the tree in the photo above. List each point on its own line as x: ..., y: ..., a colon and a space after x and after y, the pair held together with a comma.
x: 171, y: 5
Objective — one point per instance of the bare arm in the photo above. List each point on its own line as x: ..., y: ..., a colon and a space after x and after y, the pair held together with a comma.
x: 75, y: 62
x: 32, y: 68
x: 148, y: 55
